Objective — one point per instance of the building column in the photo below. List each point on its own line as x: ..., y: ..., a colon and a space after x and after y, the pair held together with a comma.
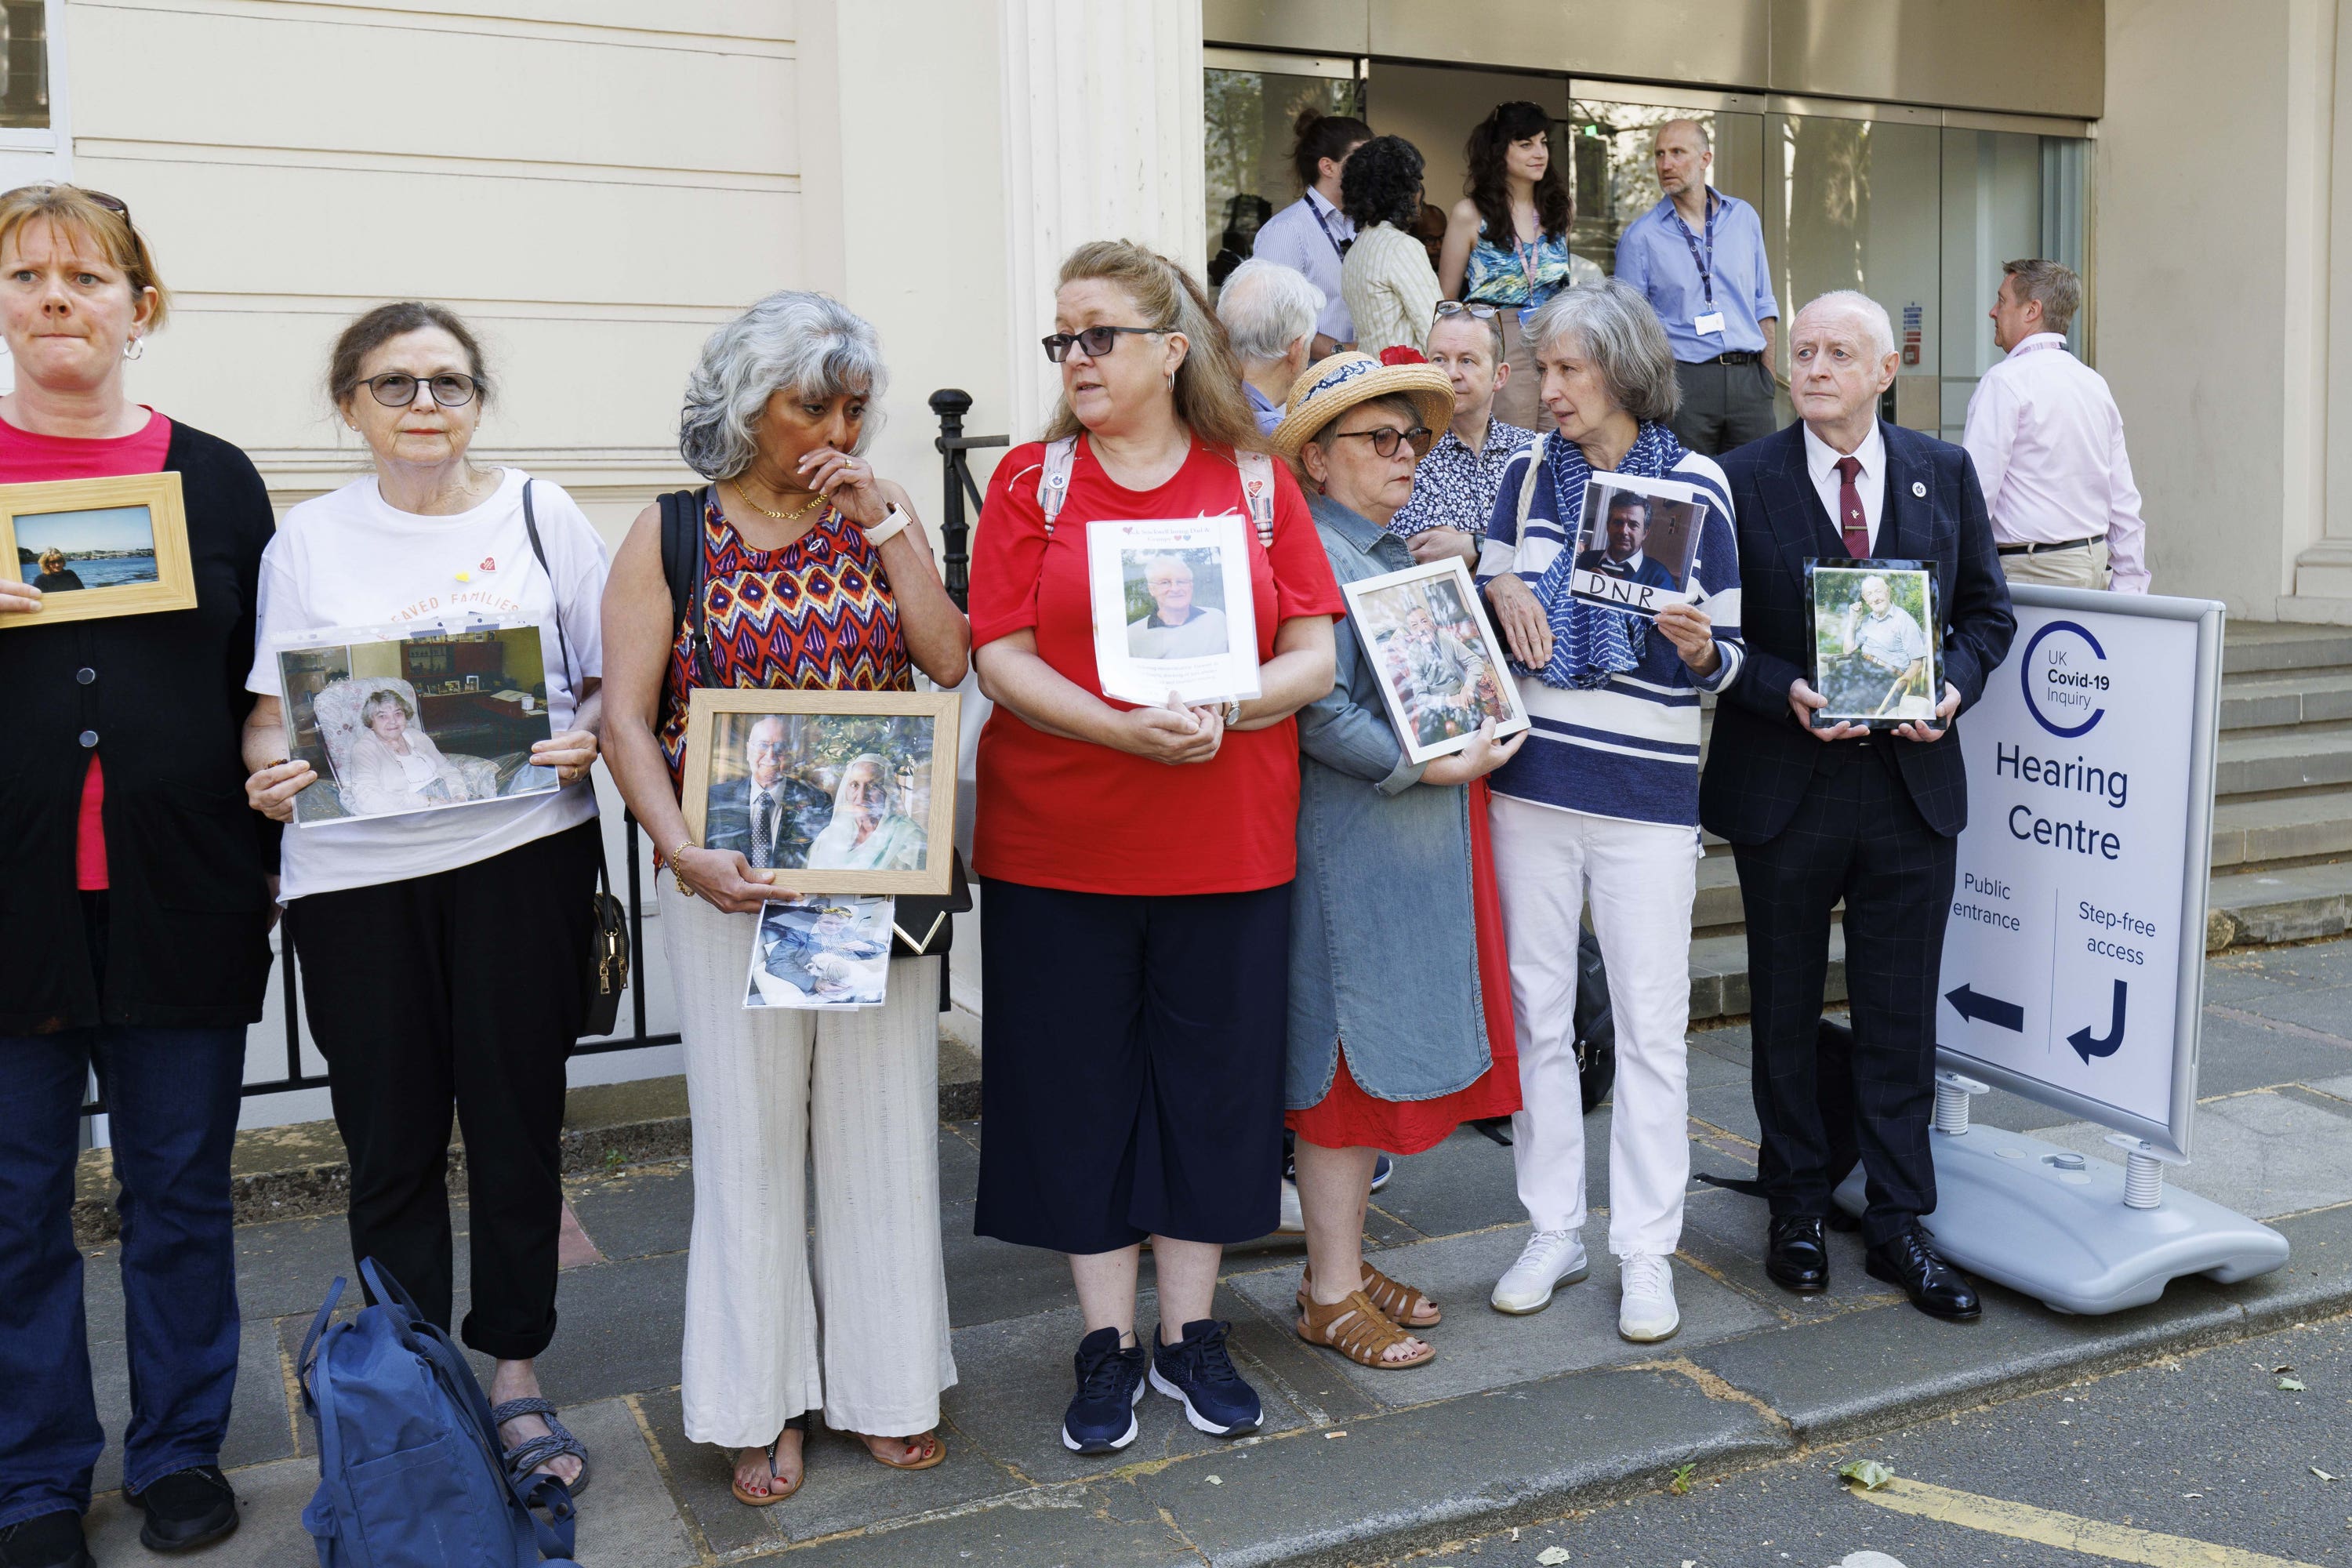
x: 1103, y: 140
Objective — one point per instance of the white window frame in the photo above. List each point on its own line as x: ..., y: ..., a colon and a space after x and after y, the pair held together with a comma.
x: 47, y: 155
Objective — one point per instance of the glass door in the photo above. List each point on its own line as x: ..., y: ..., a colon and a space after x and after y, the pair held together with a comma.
x: 1252, y: 101
x: 1615, y: 179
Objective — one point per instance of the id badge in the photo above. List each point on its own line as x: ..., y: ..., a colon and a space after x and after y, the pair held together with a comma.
x: 1709, y: 325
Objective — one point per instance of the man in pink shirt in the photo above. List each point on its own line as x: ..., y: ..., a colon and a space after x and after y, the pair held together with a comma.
x: 2049, y: 445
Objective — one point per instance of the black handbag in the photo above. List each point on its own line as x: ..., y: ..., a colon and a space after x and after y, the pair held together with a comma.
x: 920, y: 924
x: 606, y: 974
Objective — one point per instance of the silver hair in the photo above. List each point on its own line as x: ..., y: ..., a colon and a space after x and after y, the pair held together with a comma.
x: 378, y: 700
x: 1612, y: 322
x: 1872, y: 315
x: 792, y: 340
x: 1266, y: 307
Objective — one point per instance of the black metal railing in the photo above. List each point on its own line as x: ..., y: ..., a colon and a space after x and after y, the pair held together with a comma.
x: 955, y: 534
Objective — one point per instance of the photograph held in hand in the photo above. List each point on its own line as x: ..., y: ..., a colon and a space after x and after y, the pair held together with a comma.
x: 1440, y: 666
x: 1877, y: 654
x: 1638, y: 544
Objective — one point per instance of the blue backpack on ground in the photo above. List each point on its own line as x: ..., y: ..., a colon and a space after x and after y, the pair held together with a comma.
x: 409, y: 1469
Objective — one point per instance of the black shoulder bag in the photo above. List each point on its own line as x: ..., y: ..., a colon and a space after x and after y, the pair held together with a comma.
x: 920, y: 925
x: 606, y: 973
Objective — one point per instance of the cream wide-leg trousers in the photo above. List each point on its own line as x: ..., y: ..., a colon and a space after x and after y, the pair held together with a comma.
x: 850, y: 1102
x: 1642, y: 878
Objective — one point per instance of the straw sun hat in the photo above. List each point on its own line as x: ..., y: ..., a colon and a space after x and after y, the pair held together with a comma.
x: 1330, y: 387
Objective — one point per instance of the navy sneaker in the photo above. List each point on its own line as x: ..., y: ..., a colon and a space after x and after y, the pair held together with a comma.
x: 1101, y: 1418
x: 1197, y: 1371
x: 1383, y: 1169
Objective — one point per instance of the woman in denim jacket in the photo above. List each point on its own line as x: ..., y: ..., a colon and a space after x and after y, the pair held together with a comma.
x: 1397, y: 969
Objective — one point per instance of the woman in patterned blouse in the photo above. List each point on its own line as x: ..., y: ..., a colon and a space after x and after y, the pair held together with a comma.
x: 815, y: 577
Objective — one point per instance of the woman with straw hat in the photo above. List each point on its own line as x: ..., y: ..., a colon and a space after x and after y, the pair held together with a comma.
x: 1383, y: 1054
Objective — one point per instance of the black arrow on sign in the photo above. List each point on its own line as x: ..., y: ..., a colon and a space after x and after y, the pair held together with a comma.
x: 1975, y: 1005
x: 2086, y: 1048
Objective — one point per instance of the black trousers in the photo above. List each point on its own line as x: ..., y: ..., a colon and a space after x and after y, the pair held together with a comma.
x: 1855, y: 835
x: 462, y: 988
x: 1724, y: 406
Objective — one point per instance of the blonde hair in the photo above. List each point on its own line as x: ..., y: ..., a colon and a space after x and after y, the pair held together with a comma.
x: 53, y: 553
x: 75, y: 214
x: 1208, y: 389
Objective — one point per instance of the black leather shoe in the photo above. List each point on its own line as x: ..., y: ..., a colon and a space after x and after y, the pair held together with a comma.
x: 52, y: 1540
x: 1795, y: 1255
x: 1934, y: 1287
x: 188, y: 1508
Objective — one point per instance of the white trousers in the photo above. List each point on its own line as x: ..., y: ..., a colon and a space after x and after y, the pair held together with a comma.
x: 777, y: 1095
x: 1642, y: 878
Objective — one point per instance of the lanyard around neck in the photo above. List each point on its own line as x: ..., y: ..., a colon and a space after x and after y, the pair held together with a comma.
x: 1704, y: 263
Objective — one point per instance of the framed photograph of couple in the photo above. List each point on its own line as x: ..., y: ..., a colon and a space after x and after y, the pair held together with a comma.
x: 1173, y: 609
x: 1877, y: 649
x: 826, y: 792
x: 98, y: 547
x: 1638, y: 544
x: 1440, y: 665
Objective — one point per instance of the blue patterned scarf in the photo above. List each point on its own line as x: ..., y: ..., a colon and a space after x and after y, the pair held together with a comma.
x: 1590, y: 643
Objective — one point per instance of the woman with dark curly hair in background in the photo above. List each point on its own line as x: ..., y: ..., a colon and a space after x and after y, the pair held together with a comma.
x: 1390, y: 289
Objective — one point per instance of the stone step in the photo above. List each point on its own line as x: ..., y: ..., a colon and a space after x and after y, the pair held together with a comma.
x: 2291, y: 904
x: 2286, y: 828
x: 2271, y: 699
x: 2298, y: 760
x: 1718, y: 894
x: 2254, y: 647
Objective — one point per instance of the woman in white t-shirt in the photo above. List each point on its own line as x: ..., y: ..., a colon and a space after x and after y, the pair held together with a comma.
x: 481, y: 915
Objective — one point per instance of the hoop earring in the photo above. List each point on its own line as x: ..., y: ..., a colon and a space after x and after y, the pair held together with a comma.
x: 134, y: 348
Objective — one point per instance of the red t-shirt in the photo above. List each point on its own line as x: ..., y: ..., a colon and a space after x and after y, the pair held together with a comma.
x: 1055, y: 812
x: 27, y: 457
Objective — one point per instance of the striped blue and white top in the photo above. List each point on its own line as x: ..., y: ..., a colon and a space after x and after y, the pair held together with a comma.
x: 1628, y: 749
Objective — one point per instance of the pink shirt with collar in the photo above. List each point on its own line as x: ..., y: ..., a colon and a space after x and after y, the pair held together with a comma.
x: 2048, y: 443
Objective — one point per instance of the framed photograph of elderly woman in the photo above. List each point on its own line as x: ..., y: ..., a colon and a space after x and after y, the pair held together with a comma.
x: 1440, y: 665
x: 1877, y: 652
x: 1172, y: 610
x: 1638, y: 544
x: 99, y: 547
x: 400, y: 720
x: 826, y: 792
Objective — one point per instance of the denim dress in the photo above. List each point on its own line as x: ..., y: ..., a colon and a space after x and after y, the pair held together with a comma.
x: 1384, y: 955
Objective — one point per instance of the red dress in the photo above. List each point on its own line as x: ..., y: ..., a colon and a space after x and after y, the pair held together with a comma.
x: 1347, y: 1118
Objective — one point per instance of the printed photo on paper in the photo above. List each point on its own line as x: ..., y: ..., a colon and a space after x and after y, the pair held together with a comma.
x: 394, y: 721
x: 1638, y: 544
x: 1877, y: 653
x: 1172, y: 610
x: 821, y: 952
x: 1440, y: 664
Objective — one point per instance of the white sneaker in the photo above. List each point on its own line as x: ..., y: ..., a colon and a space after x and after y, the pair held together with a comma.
x: 1550, y: 1258
x: 1294, y: 1222
x: 1647, y: 1313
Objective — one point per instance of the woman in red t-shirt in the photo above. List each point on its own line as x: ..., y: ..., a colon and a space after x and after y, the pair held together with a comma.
x: 1137, y: 861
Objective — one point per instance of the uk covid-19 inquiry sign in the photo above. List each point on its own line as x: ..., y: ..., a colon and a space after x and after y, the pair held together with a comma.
x: 2073, y: 958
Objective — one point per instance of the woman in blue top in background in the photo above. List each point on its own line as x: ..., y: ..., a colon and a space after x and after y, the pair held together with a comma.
x: 1507, y: 242
x: 1605, y: 798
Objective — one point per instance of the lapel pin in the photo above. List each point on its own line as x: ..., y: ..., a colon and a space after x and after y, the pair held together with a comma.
x: 1919, y: 489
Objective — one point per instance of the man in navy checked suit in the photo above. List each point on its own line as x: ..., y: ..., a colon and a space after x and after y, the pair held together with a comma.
x: 1815, y: 815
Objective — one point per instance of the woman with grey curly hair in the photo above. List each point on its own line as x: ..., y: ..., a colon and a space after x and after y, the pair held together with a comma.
x: 807, y: 571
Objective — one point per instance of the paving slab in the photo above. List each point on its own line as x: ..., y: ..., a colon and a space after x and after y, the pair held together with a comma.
x: 258, y: 1426
x: 2315, y: 1280
x: 628, y: 1516
x: 1468, y: 1183
x: 270, y: 1500
x: 2263, y: 1155
x: 1062, y: 1527
x: 1724, y: 1234
x: 641, y: 1212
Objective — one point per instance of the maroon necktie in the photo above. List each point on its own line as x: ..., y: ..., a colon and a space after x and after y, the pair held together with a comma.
x: 1856, y: 527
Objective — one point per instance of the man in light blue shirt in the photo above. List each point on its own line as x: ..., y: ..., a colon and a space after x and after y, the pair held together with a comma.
x: 1312, y: 235
x: 1698, y: 256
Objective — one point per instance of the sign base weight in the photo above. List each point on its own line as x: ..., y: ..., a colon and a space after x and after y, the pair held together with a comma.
x: 2050, y: 1223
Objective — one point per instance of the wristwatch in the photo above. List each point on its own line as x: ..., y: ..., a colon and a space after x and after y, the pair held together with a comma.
x: 1232, y: 714
x: 888, y: 528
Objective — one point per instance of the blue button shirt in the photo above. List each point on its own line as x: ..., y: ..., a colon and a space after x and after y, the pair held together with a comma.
x: 1654, y: 255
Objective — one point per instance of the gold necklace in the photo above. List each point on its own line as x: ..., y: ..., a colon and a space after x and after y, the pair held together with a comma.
x: 792, y: 516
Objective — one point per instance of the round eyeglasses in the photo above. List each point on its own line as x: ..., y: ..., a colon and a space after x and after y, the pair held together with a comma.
x: 398, y: 389
x: 1385, y: 439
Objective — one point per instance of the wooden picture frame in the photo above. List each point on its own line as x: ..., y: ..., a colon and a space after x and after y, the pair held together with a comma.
x: 717, y: 737
x: 29, y: 522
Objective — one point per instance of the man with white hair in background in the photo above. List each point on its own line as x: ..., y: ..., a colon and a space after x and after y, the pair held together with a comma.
x: 2048, y: 443
x: 1815, y: 813
x: 1269, y: 311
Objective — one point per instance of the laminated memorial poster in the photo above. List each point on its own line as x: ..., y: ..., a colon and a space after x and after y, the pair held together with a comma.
x: 1172, y: 610
x: 1637, y: 545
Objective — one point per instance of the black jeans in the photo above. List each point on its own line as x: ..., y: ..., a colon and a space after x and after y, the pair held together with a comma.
x: 459, y: 988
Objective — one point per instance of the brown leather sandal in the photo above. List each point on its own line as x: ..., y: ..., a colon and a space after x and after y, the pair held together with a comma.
x: 930, y: 1453
x: 1358, y: 1330
x: 1393, y: 1299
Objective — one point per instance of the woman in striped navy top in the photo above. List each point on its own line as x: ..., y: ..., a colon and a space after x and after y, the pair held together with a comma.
x: 1604, y: 798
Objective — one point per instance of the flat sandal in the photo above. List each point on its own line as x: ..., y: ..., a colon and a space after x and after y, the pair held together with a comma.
x: 933, y: 1451
x: 1391, y: 1297
x: 753, y: 1499
x: 1358, y: 1330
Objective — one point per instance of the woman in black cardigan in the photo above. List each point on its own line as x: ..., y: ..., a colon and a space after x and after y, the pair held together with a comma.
x: 134, y: 911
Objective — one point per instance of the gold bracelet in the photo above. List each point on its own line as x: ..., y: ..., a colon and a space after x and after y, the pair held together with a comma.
x: 674, y: 876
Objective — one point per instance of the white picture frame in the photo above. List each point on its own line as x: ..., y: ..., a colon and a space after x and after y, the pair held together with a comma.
x: 1433, y: 720
x: 1662, y: 567
x: 1138, y: 572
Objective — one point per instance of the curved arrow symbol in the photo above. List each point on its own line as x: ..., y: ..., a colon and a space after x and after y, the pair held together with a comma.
x: 1975, y: 1005
x: 2086, y: 1048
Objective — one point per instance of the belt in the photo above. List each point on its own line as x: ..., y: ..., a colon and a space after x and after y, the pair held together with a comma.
x: 2046, y: 549
x: 1734, y: 356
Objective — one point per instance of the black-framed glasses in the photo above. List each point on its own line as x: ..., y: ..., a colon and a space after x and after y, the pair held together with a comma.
x: 397, y: 389
x: 1472, y: 308
x: 1385, y: 439
x: 1097, y: 340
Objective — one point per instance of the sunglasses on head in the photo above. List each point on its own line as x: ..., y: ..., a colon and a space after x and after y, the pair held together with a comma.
x: 114, y: 204
x: 1096, y: 341
x: 1464, y: 308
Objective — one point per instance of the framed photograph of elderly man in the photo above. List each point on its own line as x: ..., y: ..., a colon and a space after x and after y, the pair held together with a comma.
x: 1638, y: 544
x: 98, y: 547
x: 826, y: 792
x: 1877, y: 652
x: 1440, y: 665
x: 1172, y: 610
